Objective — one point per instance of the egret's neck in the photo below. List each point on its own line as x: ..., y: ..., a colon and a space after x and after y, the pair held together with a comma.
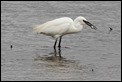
x: 77, y: 25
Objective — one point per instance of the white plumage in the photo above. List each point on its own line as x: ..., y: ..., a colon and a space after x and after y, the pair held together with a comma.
x: 62, y: 26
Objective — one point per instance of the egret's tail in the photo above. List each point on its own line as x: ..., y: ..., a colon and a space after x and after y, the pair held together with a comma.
x: 38, y: 29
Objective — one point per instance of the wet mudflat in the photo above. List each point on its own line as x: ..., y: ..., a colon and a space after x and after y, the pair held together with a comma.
x: 89, y: 55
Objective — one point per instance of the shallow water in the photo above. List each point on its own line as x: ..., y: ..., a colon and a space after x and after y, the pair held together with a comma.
x: 89, y: 55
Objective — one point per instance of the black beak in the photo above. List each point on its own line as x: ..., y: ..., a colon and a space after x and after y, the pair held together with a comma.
x: 89, y: 24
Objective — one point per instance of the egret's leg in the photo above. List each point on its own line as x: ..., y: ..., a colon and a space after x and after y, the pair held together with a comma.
x: 59, y: 52
x: 55, y: 51
x: 59, y: 45
x: 55, y: 44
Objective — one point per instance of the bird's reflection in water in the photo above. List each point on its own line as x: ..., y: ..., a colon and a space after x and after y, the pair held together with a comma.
x: 55, y: 59
x: 55, y: 56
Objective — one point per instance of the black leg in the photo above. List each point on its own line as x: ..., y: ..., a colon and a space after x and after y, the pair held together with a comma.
x: 55, y: 53
x: 59, y: 52
x: 59, y: 45
x: 55, y: 44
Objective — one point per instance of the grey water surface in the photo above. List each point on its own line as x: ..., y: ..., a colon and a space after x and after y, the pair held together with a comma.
x: 90, y: 55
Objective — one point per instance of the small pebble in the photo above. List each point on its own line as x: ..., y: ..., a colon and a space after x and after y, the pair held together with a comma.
x: 92, y: 69
x: 110, y: 29
x: 11, y: 46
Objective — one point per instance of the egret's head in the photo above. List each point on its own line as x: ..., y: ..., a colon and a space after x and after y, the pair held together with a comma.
x: 80, y: 20
x: 83, y: 20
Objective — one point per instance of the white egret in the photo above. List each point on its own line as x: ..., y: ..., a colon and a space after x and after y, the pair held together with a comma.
x: 62, y: 26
